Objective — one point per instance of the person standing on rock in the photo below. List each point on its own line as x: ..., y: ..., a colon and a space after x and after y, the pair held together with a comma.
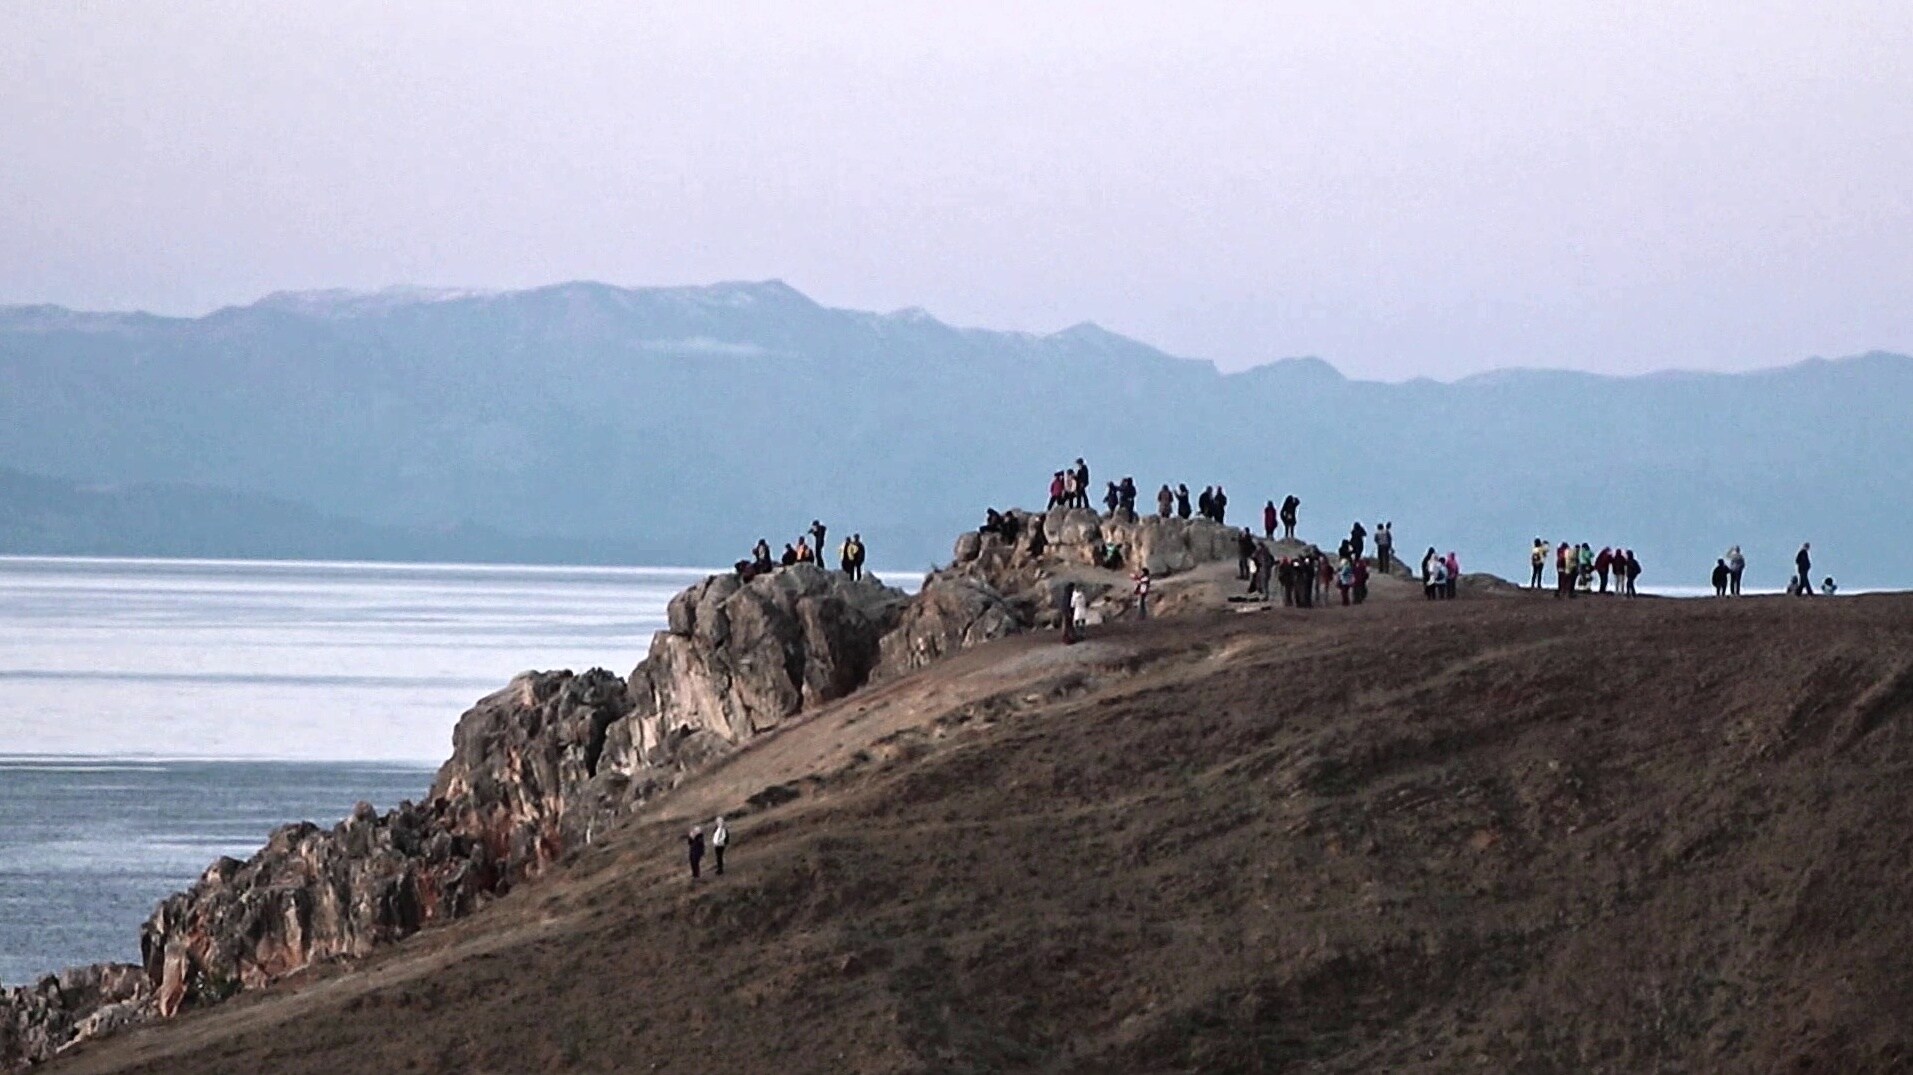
x: 1736, y: 563
x: 1082, y: 483
x: 1127, y: 490
x: 1141, y: 580
x: 1803, y: 563
x: 1269, y: 520
x: 1222, y: 505
x: 694, y: 844
x: 1206, y: 503
x: 1244, y: 552
x: 1056, y: 489
x: 1602, y: 562
x: 1112, y: 498
x: 1385, y: 547
x: 1537, y: 559
x: 1357, y: 539
x: 1165, y: 502
x: 853, y: 557
x: 818, y: 547
x: 1289, y: 505
x: 1182, y: 501
x: 1720, y: 577
x: 1361, y: 581
x: 1078, y: 613
x: 1633, y: 572
x: 720, y: 838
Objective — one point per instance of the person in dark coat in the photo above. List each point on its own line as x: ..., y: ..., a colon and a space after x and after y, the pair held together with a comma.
x: 1720, y: 578
x: 1803, y: 562
x: 1244, y: 552
x: 1289, y: 505
x: 1269, y: 520
x: 694, y: 843
x: 1182, y: 501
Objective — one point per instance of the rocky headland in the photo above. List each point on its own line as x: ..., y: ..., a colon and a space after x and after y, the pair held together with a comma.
x: 539, y: 768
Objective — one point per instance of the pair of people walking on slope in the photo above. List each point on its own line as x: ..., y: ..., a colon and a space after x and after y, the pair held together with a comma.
x: 694, y: 844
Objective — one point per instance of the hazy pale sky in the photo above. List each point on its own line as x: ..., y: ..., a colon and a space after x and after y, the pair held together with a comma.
x: 1401, y: 189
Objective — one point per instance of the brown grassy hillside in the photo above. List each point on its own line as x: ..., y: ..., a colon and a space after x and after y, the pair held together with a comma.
x: 1487, y: 836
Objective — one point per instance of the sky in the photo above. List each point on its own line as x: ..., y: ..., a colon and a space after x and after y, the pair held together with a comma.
x: 1402, y: 189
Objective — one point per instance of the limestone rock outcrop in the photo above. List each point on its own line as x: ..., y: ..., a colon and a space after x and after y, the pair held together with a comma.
x: 537, y: 768
x: 1075, y: 537
x: 951, y: 613
x: 37, y: 1021
x: 739, y: 658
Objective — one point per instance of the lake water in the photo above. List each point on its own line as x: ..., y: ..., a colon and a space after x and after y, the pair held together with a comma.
x: 157, y: 714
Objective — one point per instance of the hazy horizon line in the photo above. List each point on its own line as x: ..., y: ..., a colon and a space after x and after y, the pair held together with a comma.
x: 429, y: 293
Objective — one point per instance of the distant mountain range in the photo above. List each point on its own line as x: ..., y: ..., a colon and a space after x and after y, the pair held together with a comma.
x: 676, y: 425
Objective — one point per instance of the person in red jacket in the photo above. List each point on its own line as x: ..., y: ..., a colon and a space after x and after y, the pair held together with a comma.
x: 1269, y: 520
x: 1602, y: 563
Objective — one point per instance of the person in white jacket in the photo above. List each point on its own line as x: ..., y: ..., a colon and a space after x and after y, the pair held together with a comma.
x: 720, y: 838
x: 1079, y: 610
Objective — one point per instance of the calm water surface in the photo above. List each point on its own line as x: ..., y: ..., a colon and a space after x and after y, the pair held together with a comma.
x: 157, y: 714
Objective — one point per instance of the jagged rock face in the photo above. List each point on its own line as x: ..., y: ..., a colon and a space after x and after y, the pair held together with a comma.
x: 313, y: 894
x: 533, y: 768
x: 1074, y: 535
x: 498, y: 814
x: 950, y: 613
x: 518, y: 757
x: 740, y: 658
x: 37, y: 1021
x: 537, y: 766
x: 1167, y: 546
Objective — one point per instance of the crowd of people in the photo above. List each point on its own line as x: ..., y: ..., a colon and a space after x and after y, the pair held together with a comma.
x: 1579, y: 570
x: 1440, y: 575
x: 807, y: 549
x: 1314, y: 577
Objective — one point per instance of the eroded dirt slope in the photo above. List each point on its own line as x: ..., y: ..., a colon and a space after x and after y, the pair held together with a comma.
x: 1496, y: 836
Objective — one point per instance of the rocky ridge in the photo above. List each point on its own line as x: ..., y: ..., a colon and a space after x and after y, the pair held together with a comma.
x: 539, y: 767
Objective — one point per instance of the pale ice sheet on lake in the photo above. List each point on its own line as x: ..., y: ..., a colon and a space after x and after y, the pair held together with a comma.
x: 293, y: 660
